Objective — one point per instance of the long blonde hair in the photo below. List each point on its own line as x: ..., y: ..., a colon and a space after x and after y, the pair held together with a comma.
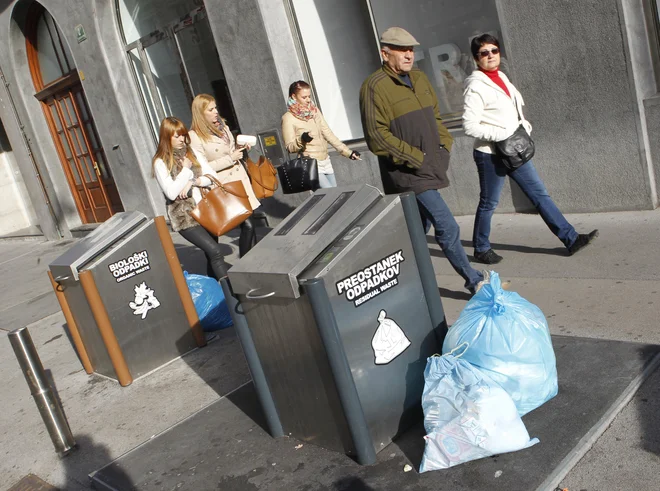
x: 168, y: 128
x: 199, y: 125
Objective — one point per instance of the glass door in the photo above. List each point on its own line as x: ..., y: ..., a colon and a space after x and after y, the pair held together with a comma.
x: 176, y: 62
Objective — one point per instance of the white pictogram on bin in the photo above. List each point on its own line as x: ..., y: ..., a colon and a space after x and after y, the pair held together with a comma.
x: 145, y: 300
x: 389, y: 341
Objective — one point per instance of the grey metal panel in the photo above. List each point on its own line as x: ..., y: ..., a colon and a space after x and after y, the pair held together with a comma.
x: 253, y: 361
x: 163, y: 333
x: 84, y: 250
x: 297, y: 370
x: 274, y: 264
x: 88, y: 329
x: 390, y: 393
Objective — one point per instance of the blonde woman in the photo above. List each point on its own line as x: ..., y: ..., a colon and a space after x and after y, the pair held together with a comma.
x: 210, y: 137
x: 180, y: 171
x: 305, y: 131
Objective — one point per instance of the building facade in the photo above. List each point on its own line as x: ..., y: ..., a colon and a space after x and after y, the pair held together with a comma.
x: 86, y: 83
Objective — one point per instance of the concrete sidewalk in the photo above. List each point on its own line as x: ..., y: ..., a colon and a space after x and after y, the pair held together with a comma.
x: 607, y: 291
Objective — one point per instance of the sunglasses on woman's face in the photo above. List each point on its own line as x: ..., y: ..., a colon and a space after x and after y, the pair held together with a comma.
x: 484, y: 53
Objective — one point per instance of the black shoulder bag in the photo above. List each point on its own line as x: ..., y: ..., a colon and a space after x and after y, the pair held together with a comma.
x: 517, y: 149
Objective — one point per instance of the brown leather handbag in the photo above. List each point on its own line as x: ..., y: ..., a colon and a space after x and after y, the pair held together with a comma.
x: 263, y: 176
x: 222, y: 208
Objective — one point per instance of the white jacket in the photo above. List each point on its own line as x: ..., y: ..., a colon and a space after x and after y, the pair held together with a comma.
x: 172, y: 187
x: 489, y: 115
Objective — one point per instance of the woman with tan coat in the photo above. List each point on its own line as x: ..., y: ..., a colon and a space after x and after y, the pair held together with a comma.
x: 210, y: 137
x: 305, y: 131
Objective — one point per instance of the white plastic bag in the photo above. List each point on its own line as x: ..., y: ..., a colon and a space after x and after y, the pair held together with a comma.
x: 467, y: 416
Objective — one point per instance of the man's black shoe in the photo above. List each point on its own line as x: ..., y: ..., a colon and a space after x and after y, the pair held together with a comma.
x: 488, y: 257
x: 582, y: 241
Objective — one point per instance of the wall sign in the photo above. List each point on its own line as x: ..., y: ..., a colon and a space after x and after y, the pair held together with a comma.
x: 362, y: 286
x: 133, y: 265
x: 80, y: 33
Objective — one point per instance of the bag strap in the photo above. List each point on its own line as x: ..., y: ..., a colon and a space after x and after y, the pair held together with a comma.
x: 215, y: 181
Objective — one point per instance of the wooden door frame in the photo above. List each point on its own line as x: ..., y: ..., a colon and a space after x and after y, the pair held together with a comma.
x: 66, y: 83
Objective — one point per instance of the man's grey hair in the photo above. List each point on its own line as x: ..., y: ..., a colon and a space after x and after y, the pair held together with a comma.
x: 386, y: 48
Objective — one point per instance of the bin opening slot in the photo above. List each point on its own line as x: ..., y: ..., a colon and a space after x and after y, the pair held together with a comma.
x: 328, y: 213
x: 300, y: 214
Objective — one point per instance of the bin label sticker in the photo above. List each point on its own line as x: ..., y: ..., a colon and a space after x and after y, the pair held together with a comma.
x: 130, y: 266
x: 373, y: 280
x: 389, y: 340
x: 145, y: 300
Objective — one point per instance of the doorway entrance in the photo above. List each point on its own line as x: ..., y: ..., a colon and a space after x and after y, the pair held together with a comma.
x: 71, y: 125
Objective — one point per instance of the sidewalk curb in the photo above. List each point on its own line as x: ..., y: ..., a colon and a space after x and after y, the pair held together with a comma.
x: 587, y: 441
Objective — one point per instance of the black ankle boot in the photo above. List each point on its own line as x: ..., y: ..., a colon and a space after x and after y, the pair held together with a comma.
x: 488, y: 257
x: 582, y: 241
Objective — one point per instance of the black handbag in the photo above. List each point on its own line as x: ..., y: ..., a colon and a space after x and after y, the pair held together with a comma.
x: 299, y: 174
x: 517, y: 149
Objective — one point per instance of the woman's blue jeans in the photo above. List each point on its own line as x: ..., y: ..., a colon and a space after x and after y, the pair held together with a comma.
x: 327, y: 180
x: 491, y: 179
x: 434, y: 210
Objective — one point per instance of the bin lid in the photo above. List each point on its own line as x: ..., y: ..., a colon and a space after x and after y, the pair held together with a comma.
x: 271, y: 268
x: 72, y: 261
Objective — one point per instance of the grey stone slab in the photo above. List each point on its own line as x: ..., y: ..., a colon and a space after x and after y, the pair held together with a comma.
x: 225, y: 446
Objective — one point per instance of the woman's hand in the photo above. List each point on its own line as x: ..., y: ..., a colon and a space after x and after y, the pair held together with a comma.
x: 237, y: 154
x: 355, y: 155
x: 184, y: 192
x: 187, y: 163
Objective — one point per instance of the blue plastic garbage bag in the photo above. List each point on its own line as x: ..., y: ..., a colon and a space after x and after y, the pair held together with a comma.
x: 209, y: 302
x: 467, y: 416
x: 509, y: 339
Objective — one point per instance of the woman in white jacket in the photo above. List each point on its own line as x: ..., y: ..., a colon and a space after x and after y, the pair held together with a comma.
x: 180, y: 172
x: 492, y: 112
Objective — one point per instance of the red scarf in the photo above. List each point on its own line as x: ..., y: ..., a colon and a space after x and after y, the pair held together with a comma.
x: 495, y: 77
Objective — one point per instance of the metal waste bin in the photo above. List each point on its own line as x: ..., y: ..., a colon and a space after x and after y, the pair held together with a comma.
x: 337, y: 310
x: 125, y: 298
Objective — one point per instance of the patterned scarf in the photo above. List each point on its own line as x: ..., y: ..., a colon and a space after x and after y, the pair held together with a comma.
x: 301, y: 112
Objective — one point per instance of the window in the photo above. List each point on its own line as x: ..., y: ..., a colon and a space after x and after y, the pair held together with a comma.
x: 172, y: 51
x: 340, y: 42
x: 55, y: 59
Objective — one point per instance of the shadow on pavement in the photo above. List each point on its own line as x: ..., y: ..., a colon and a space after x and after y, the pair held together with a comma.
x: 648, y: 405
x: 86, y: 458
x: 463, y: 295
x: 467, y: 244
x: 352, y: 484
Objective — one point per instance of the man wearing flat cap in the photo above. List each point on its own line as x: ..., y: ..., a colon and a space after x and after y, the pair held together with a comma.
x: 402, y: 126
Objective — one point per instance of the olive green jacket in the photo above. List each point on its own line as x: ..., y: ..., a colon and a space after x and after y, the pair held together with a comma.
x: 402, y: 126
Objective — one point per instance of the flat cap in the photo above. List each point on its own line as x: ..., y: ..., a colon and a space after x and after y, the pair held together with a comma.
x: 397, y: 36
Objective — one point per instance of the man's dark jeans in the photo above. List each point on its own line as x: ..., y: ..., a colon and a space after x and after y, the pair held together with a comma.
x: 492, y: 174
x: 434, y: 210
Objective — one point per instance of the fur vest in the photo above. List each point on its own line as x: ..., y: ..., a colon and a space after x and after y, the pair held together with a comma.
x: 179, y: 209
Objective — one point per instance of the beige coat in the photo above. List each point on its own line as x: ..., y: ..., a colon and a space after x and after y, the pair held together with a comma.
x: 218, y: 155
x: 293, y: 128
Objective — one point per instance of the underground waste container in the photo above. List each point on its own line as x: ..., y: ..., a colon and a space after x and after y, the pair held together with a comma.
x: 337, y: 310
x: 125, y: 299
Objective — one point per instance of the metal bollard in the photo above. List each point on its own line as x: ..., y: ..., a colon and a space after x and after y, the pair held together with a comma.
x: 47, y: 402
